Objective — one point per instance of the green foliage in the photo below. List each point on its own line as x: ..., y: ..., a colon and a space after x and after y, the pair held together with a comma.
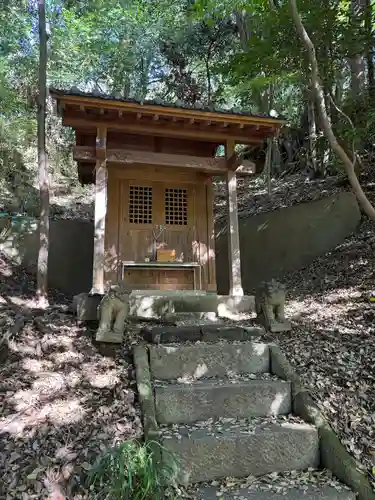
x: 131, y: 471
x: 231, y: 53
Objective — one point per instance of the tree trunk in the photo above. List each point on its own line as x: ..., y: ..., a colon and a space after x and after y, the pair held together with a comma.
x: 370, y: 47
x: 357, y: 59
x: 42, y: 273
x: 326, y: 124
x: 312, y: 129
x: 208, y: 76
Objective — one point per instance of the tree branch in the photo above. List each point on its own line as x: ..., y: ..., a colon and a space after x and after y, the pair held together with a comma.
x: 326, y: 124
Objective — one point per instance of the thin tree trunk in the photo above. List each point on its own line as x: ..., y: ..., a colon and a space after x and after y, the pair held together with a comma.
x: 42, y: 273
x: 326, y: 124
x: 357, y: 59
x: 370, y: 47
x: 208, y: 76
x: 312, y: 129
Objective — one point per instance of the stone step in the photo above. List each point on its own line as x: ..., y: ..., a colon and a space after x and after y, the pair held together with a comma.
x: 203, y: 399
x: 208, y: 360
x: 308, y: 493
x: 203, y: 333
x: 215, y: 450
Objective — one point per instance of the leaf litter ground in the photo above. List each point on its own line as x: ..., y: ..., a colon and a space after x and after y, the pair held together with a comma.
x: 62, y: 400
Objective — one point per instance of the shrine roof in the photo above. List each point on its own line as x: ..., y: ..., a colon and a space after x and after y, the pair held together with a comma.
x: 177, y: 104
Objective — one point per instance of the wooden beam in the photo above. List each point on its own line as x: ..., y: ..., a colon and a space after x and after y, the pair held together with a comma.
x: 214, y: 166
x: 100, y: 216
x: 234, y: 257
x: 178, y: 131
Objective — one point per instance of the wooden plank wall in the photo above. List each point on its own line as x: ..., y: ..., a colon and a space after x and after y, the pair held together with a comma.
x: 130, y: 242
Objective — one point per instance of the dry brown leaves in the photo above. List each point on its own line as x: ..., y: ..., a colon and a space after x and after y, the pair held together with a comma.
x: 62, y: 400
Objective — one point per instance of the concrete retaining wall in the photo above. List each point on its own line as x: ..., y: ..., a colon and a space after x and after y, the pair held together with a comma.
x: 70, y: 256
x: 285, y: 240
x: 271, y: 244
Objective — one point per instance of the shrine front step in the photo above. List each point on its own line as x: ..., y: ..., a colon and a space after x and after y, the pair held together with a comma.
x: 202, y: 400
x: 204, y: 333
x: 231, y: 450
x: 169, y: 362
x: 225, y: 409
x: 155, y: 304
x: 307, y: 492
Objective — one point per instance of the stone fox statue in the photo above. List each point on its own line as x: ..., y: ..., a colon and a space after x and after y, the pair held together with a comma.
x: 270, y: 302
x: 113, y: 311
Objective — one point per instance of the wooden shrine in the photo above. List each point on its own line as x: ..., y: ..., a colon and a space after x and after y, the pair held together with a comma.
x: 152, y: 166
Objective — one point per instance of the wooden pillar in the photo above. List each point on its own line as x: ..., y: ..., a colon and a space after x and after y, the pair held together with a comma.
x: 234, y: 257
x: 100, y: 212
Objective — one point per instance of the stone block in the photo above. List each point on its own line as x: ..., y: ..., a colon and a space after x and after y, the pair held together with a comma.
x: 222, y: 450
x: 192, y: 318
x: 171, y: 334
x: 195, y: 303
x: 110, y: 337
x: 208, y: 360
x: 188, y: 403
x: 312, y: 492
x: 286, y: 326
x: 204, y: 333
x: 144, y: 387
x: 152, y: 304
x: 210, y: 333
x: 85, y: 306
x: 229, y: 306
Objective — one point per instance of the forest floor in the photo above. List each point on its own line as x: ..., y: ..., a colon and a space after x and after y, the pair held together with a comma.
x: 63, y: 399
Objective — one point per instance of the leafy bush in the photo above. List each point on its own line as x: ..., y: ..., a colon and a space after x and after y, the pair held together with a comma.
x: 132, y: 471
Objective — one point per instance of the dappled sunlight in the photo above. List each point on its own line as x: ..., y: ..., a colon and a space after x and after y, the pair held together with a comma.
x: 259, y: 349
x: 22, y: 349
x: 170, y: 349
x: 62, y: 402
x: 276, y: 404
x: 315, y: 311
x: 59, y: 412
x: 101, y: 380
x: 71, y: 357
x: 36, y: 366
x: 197, y: 372
x: 57, y: 341
x: 64, y: 412
x: 342, y: 294
x: 200, y: 370
x: 203, y: 253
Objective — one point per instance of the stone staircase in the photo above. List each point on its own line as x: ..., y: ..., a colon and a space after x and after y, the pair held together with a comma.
x: 221, y: 413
